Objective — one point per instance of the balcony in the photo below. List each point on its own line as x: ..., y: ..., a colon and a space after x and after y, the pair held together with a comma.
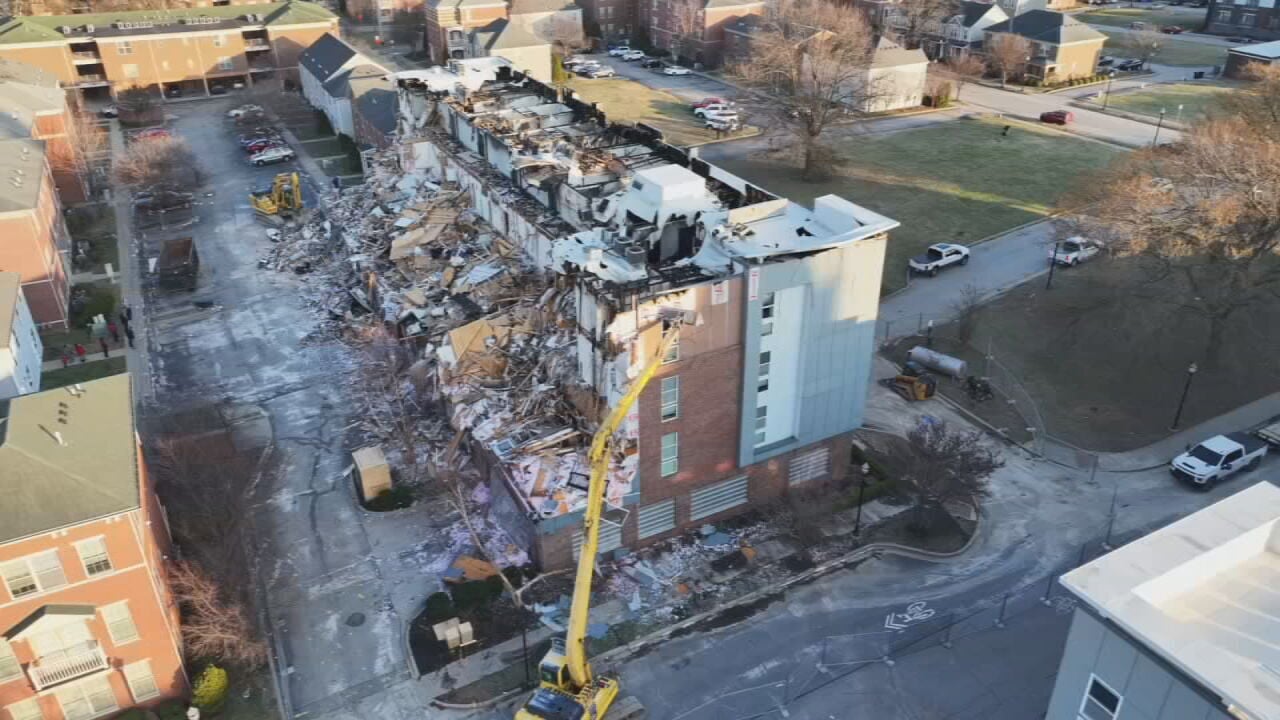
x: 91, y: 80
x: 67, y: 664
x: 253, y: 45
x: 86, y: 57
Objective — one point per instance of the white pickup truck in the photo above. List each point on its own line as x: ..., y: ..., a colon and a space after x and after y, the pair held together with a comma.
x: 938, y: 256
x: 1218, y: 457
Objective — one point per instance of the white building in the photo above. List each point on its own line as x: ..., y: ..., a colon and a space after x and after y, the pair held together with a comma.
x: 1183, y: 623
x: 326, y: 70
x: 896, y: 78
x: 22, y: 353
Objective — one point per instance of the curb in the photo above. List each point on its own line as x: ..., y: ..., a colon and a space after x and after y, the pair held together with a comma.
x: 1124, y: 114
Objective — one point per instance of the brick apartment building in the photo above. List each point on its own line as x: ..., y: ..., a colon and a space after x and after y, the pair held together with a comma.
x: 37, y: 108
x: 773, y: 305
x: 695, y: 28
x: 1062, y: 47
x: 188, y: 49
x: 381, y: 12
x: 461, y: 29
x: 80, y: 7
x: 1258, y: 19
x: 36, y: 242
x: 87, y: 624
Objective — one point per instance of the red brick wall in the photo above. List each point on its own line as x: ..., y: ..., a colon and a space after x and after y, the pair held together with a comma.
x: 31, y: 248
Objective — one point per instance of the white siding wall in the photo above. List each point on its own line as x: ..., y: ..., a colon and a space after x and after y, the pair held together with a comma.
x: 897, y: 87
x: 22, y: 357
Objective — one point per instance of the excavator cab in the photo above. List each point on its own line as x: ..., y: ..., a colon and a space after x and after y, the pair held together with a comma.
x: 282, y: 199
x: 553, y: 671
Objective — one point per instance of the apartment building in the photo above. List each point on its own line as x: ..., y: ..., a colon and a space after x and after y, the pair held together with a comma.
x: 187, y: 50
x: 87, y: 624
x: 959, y: 34
x: 772, y: 306
x: 36, y: 242
x: 382, y: 12
x: 522, y: 31
x: 80, y: 7
x: 1258, y: 19
x: 695, y: 29
x: 1181, y: 623
x: 37, y: 108
x: 21, y: 351
x: 1062, y: 48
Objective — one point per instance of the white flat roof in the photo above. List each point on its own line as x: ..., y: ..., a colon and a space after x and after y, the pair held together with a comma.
x: 1268, y: 50
x: 1204, y: 594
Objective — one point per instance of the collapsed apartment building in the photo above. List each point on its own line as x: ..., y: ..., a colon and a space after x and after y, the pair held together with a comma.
x: 610, y: 238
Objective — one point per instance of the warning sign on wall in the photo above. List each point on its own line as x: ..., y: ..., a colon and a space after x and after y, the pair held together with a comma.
x: 720, y: 292
x: 753, y: 284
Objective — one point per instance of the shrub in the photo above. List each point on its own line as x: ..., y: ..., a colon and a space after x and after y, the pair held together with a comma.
x: 96, y: 300
x: 515, y: 576
x: 474, y: 595
x: 209, y: 692
x: 132, y: 714
x: 171, y: 710
x: 439, y: 607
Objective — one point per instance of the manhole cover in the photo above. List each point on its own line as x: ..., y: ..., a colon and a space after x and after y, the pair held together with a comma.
x: 355, y: 619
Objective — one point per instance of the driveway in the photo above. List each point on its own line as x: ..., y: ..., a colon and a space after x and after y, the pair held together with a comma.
x: 1088, y: 123
x: 690, y: 88
x: 338, y: 582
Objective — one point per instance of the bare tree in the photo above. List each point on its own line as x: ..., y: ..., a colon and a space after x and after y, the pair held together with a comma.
x: 812, y: 59
x: 941, y: 466
x: 84, y: 140
x: 1204, y: 215
x: 685, y: 30
x: 917, y: 18
x: 965, y: 69
x: 214, y: 625
x: 967, y: 309
x: 1008, y: 55
x: 1261, y: 100
x: 1143, y: 44
x: 157, y: 161
x: 136, y: 100
x: 393, y: 394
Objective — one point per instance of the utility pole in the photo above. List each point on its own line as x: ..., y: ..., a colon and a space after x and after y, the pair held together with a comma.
x: 1053, y: 263
x: 1186, y: 388
x: 1159, y: 123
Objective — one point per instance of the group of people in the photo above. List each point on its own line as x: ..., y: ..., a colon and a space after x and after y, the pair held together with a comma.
x: 115, y: 331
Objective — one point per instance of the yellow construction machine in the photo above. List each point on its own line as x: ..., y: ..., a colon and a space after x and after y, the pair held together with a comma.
x: 282, y: 199
x: 568, y: 690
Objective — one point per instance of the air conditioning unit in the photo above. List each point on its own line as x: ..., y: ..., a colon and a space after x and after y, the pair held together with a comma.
x: 64, y: 29
x: 88, y: 28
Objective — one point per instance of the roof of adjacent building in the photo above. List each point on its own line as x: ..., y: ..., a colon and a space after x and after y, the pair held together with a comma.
x: 525, y: 7
x: 502, y: 33
x: 1201, y: 594
x: 46, y: 28
x: 1265, y: 51
x: 890, y: 54
x: 972, y: 11
x: 21, y: 171
x: 326, y: 56
x: 67, y: 456
x: 375, y: 97
x: 1047, y: 26
x: 10, y: 291
x: 21, y: 102
x: 731, y: 3
x: 24, y: 73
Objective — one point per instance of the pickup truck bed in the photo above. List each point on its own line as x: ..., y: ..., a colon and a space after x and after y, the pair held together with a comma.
x: 1250, y: 442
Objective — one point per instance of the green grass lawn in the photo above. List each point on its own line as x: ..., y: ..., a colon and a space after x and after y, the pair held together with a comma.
x: 1173, y: 52
x: 82, y: 372
x: 1196, y: 100
x: 1155, y: 19
x: 956, y: 181
x: 630, y: 101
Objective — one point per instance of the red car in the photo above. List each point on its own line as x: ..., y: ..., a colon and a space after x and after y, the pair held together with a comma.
x: 151, y: 133
x: 1057, y: 117
x: 1172, y: 29
x: 707, y: 101
x: 259, y: 146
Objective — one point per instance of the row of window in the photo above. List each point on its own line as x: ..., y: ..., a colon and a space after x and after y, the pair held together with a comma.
x: 43, y: 571
x: 1247, y: 19
x: 120, y: 628
x: 92, y: 696
x: 125, y: 47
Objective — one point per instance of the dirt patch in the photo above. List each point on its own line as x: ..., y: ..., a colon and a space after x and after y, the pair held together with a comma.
x: 931, y: 529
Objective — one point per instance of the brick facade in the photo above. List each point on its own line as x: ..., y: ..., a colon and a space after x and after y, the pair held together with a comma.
x: 1249, y: 19
x: 703, y: 24
x: 37, y: 245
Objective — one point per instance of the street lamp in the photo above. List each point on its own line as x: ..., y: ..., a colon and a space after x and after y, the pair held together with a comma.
x: 1053, y: 263
x: 1159, y: 124
x: 862, y: 488
x: 1179, y: 113
x: 1186, y: 388
x: 1111, y: 76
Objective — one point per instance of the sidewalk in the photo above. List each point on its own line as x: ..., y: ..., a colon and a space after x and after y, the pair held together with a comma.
x: 128, y: 279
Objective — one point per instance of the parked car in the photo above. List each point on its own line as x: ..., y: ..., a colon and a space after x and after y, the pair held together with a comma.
x: 585, y: 68
x: 708, y: 101
x: 151, y: 133
x: 651, y: 63
x: 578, y: 61
x: 938, y: 256
x: 161, y: 201
x: 1106, y: 61
x: 1172, y: 29
x: 723, y: 124
x: 713, y: 108
x: 601, y: 71
x: 619, y: 51
x: 271, y: 155
x: 1137, y: 26
x: 1216, y: 458
x: 633, y: 56
x: 217, y: 89
x: 244, y: 110
x: 675, y: 70
x: 257, y: 147
x: 173, y: 91
x: 1132, y: 65
x: 721, y: 116
x: 109, y: 111
x: 1057, y: 117
x: 1073, y: 251
x: 250, y: 138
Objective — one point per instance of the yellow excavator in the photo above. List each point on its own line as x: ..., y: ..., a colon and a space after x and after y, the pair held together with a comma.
x: 282, y: 199
x: 567, y: 689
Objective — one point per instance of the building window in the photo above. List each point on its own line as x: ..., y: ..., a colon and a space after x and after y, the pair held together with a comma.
x: 87, y: 699
x: 142, y: 682
x: 762, y: 423
x: 762, y: 377
x: 673, y: 352
x: 767, y: 307
x: 1224, y: 16
x: 130, y: 70
x: 670, y: 398
x: 219, y: 40
x: 9, y: 667
x: 33, y: 574
x: 670, y: 454
x: 120, y: 623
x: 124, y: 48
x: 226, y: 63
x: 1248, y: 19
x: 28, y: 709
x: 1100, y: 702
x: 93, y: 553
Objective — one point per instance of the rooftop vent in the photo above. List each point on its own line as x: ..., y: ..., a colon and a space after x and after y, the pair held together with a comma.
x: 64, y: 29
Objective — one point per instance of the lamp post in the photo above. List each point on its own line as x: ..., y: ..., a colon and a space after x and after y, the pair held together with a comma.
x: 1053, y: 263
x: 1186, y: 388
x: 1159, y: 124
x: 862, y: 488
x: 1179, y: 113
x: 1111, y: 76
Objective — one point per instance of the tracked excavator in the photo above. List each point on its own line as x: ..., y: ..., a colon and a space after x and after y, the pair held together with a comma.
x: 283, y: 199
x: 567, y: 688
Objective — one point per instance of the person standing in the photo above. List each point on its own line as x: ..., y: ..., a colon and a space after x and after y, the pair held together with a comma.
x: 106, y: 352
x: 114, y: 330
x: 80, y: 352
x: 128, y: 333
x: 66, y: 355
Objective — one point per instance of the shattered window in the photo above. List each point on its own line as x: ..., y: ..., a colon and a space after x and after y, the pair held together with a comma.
x: 670, y: 454
x: 673, y: 352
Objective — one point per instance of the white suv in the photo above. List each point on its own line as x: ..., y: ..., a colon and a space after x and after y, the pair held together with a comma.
x: 707, y: 110
x: 272, y: 155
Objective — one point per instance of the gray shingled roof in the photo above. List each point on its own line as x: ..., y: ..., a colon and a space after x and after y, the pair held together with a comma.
x: 971, y: 11
x: 91, y: 473
x: 375, y: 97
x: 21, y: 165
x: 1047, y: 26
x: 891, y: 54
x: 326, y: 56
x: 523, y: 7
x: 502, y: 33
x: 732, y: 3
x: 20, y: 102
